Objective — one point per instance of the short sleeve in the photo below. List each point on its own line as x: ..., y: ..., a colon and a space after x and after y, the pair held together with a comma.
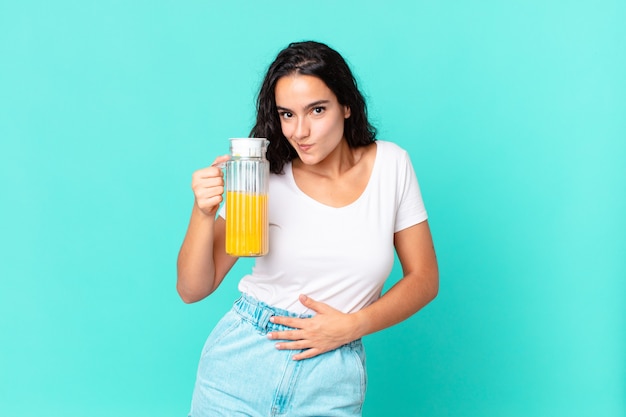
x: 410, y: 209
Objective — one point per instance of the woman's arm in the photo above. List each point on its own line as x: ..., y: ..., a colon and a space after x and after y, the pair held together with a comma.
x: 330, y: 328
x: 418, y: 287
x: 202, y: 260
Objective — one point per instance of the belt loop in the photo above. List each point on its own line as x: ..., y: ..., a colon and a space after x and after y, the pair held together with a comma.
x: 264, y: 319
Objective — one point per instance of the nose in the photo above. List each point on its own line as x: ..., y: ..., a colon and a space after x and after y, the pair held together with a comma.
x: 302, y: 129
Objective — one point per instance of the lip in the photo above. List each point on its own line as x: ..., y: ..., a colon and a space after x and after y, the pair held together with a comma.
x: 304, y: 147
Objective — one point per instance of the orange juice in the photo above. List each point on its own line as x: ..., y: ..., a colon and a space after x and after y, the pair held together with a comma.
x: 246, y: 224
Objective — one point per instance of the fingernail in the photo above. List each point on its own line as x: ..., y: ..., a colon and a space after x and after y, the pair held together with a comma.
x: 269, y: 335
x: 272, y: 319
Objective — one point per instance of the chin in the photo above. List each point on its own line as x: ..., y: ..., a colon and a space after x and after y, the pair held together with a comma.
x: 309, y: 159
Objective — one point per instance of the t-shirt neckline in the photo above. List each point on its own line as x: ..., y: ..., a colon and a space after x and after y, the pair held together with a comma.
x: 362, y: 196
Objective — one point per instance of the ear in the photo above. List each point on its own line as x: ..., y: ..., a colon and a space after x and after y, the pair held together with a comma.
x: 346, y: 112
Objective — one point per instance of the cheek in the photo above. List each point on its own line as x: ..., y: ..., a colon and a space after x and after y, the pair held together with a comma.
x: 285, y: 129
x: 333, y: 127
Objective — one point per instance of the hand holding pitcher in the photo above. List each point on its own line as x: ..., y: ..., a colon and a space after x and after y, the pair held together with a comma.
x: 208, y: 186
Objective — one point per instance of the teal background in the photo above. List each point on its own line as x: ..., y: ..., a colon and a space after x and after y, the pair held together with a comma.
x: 514, y: 114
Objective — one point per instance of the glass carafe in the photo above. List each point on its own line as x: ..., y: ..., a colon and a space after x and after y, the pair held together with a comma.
x: 247, y: 182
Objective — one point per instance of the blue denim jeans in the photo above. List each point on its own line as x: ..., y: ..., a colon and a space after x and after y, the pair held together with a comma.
x: 241, y: 373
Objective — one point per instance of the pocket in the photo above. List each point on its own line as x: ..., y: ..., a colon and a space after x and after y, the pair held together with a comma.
x: 222, y: 329
x: 358, y: 353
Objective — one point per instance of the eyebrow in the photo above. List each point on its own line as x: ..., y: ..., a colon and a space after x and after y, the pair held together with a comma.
x: 307, y: 107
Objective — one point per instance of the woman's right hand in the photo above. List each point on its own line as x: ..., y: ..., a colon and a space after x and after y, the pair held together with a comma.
x: 202, y: 261
x: 208, y: 186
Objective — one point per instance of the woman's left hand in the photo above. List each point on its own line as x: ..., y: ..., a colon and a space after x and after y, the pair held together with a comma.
x: 327, y: 330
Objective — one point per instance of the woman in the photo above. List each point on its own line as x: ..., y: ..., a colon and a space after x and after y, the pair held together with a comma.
x: 340, y: 202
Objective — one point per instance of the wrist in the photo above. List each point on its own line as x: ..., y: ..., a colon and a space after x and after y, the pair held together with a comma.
x: 361, y: 324
x: 204, y: 214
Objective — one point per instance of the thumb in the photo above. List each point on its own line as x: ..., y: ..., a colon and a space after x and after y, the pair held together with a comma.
x: 220, y: 161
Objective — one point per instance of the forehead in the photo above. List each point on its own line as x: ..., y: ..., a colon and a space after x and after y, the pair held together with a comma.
x: 301, y: 89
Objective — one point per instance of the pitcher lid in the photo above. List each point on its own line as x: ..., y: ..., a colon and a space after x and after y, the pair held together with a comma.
x: 248, y: 147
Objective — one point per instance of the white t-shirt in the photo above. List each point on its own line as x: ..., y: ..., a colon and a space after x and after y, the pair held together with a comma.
x: 339, y: 256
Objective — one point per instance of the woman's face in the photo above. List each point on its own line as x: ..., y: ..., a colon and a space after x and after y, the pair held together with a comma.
x: 311, y: 118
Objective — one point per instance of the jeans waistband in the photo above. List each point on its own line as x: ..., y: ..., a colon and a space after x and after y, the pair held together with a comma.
x: 258, y: 314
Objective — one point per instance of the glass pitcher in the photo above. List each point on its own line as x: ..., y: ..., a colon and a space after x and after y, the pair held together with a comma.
x: 247, y: 183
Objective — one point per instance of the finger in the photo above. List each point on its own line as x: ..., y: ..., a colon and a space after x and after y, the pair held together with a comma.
x: 285, y: 335
x: 209, y: 206
x: 205, y: 173
x: 202, y: 191
x: 199, y: 184
x: 316, y: 306
x: 207, y: 183
x: 307, y: 354
x: 209, y: 200
x: 214, y: 170
x: 219, y: 161
x: 296, y: 323
x: 296, y: 345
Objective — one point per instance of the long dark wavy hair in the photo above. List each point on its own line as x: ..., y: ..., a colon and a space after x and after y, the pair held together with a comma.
x: 318, y: 60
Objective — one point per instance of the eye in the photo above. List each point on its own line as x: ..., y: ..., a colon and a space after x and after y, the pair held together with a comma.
x: 285, y: 114
x: 318, y: 110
